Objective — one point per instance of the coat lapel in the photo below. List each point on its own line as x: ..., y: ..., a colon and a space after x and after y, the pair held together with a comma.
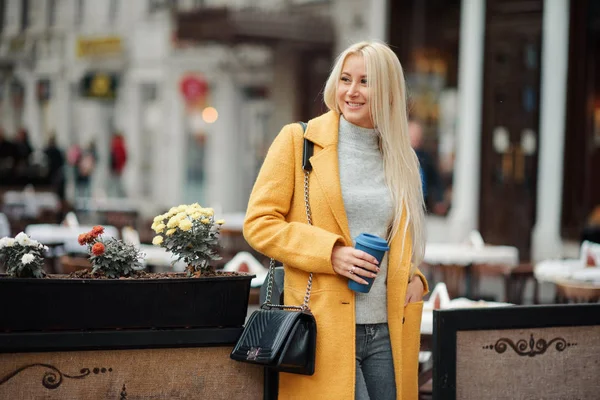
x: 323, y: 132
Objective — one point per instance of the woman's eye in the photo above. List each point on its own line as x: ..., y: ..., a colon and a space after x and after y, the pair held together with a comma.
x: 363, y: 81
x: 345, y: 79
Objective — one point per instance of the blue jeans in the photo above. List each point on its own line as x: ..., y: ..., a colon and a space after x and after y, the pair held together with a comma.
x: 374, y: 363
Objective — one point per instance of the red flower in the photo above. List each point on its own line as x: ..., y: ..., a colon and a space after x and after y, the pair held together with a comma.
x: 82, y: 239
x: 98, y: 249
x: 97, y: 231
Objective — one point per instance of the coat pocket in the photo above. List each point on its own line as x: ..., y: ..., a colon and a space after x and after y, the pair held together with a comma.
x: 411, y: 341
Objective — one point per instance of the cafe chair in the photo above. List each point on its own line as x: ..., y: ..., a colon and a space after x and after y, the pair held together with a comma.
x: 245, y: 262
x: 577, y: 292
x: 454, y: 276
x: 515, y: 280
x: 71, y: 220
x: 130, y: 235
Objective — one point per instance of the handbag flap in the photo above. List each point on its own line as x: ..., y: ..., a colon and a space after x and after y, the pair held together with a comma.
x: 264, y: 335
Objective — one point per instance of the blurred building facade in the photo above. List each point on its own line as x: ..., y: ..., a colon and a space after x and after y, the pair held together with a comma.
x: 200, y: 88
x: 508, y: 91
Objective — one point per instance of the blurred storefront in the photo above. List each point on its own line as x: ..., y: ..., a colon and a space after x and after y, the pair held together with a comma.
x: 506, y: 91
x: 266, y: 68
x: 581, y: 181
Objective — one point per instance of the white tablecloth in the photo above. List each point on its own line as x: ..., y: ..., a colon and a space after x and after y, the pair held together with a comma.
x: 51, y: 234
x: 160, y: 257
x: 464, y: 254
x: 233, y: 221
x: 105, y: 205
x: 569, y: 269
x: 31, y: 203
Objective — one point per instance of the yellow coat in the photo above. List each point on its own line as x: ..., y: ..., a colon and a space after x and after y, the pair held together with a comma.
x: 276, y: 226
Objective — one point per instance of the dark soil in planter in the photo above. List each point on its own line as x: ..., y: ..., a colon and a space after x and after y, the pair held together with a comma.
x: 87, y: 274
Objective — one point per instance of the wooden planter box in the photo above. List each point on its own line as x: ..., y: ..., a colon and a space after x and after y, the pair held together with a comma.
x: 126, y: 338
x: 99, y: 304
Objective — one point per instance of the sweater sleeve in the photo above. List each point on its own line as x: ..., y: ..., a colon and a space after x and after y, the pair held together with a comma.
x: 266, y: 227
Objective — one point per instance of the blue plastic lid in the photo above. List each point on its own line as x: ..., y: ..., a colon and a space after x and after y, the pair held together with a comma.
x: 372, y: 241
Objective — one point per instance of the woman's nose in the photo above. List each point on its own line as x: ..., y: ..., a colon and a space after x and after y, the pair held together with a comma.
x: 353, y: 90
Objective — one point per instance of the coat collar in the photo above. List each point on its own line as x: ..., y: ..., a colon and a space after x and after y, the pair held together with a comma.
x: 324, y: 129
x: 323, y: 132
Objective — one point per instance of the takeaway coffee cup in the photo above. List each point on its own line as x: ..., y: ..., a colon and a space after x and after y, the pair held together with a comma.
x: 375, y: 246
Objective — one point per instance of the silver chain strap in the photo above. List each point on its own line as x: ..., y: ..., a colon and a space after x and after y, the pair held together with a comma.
x: 271, y: 275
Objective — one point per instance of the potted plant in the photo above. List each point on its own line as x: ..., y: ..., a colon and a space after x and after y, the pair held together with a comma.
x: 117, y: 294
x: 129, y: 315
x: 191, y: 233
x: 23, y: 256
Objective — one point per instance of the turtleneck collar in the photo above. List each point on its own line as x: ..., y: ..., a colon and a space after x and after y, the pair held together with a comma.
x: 357, y: 135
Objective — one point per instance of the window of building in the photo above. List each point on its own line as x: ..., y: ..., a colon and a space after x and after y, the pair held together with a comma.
x: 157, y: 5
x: 2, y: 13
x: 24, y: 14
x: 79, y: 12
x: 51, y: 13
x: 199, y: 3
x: 113, y: 10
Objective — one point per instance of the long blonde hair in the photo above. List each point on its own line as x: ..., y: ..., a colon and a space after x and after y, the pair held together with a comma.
x: 385, y: 78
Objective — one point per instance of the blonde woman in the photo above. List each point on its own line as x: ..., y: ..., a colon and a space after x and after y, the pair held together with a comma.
x: 365, y: 178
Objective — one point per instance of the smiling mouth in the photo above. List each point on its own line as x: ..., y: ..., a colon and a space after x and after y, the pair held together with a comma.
x: 354, y: 105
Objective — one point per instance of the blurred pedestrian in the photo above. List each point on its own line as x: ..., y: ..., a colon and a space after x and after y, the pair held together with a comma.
x: 432, y: 184
x: 118, y: 160
x: 365, y: 178
x: 56, y: 163
x: 23, y: 150
x: 85, y: 166
x: 7, y: 156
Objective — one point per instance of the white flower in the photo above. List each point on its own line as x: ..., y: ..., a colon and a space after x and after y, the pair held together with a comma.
x: 27, y: 258
x: 7, y: 242
x: 23, y: 239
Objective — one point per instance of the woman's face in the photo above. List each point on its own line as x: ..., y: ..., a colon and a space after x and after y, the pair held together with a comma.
x: 353, y: 92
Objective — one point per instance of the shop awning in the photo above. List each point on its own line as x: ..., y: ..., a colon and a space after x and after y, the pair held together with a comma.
x: 253, y: 26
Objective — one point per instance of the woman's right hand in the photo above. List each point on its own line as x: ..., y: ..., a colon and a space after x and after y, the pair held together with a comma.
x: 353, y: 264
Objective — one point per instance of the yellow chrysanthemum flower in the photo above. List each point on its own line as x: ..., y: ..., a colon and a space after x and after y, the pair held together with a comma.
x: 172, y: 211
x: 220, y: 221
x: 208, y: 211
x: 205, y: 221
x: 158, y: 218
x: 185, y: 225
x: 157, y: 241
x: 173, y: 222
x: 170, y: 232
x: 181, y: 215
x: 160, y: 228
x: 196, y: 215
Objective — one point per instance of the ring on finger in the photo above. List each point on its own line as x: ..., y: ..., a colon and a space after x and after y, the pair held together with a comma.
x: 351, y: 270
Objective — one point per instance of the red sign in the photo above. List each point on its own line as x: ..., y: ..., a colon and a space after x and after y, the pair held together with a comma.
x: 193, y: 88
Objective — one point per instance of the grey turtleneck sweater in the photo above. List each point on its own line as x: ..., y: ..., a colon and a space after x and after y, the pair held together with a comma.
x: 368, y: 205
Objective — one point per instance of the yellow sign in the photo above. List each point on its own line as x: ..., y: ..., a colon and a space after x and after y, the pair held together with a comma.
x: 99, y: 47
x: 100, y: 85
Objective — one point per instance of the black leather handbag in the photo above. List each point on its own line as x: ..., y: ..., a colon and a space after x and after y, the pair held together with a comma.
x: 282, y: 338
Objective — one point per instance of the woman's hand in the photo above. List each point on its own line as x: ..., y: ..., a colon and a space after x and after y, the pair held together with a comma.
x: 415, y: 289
x: 353, y: 264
